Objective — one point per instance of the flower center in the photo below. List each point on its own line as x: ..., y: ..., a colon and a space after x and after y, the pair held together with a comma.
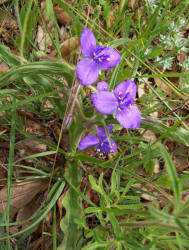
x: 104, y: 147
x: 100, y: 55
x: 124, y: 102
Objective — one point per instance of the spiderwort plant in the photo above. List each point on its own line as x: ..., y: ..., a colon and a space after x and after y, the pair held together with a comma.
x: 120, y: 101
x: 99, y: 140
x: 98, y: 57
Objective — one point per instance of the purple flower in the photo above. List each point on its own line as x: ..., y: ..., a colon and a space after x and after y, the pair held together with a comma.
x: 101, y: 140
x: 121, y: 101
x: 99, y: 57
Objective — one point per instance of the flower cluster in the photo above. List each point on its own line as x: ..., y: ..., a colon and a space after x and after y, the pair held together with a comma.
x: 99, y: 140
x: 97, y: 57
x: 120, y: 102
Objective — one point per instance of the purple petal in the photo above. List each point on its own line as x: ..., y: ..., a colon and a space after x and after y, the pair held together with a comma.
x: 127, y: 88
x: 87, y: 71
x: 105, y: 102
x: 129, y: 117
x: 88, y: 141
x: 102, y: 86
x: 88, y: 42
x: 109, y: 58
x: 101, y: 133
x: 105, y: 147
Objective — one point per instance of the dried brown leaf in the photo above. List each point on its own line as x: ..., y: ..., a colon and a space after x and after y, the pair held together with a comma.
x: 21, y: 194
x: 25, y: 114
x: 62, y: 16
x: 175, y: 2
x: 3, y: 67
x: 7, y: 22
x: 43, y: 38
x: 3, y: 1
x: 111, y: 19
x: 141, y: 91
x: 133, y: 4
x: 33, y: 127
x: 31, y: 146
x: 140, y: 12
x: 150, y: 135
x: 69, y: 46
x: 163, y: 86
x: 181, y: 56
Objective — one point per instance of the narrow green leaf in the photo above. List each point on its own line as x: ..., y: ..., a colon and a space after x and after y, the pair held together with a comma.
x: 171, y: 170
x: 96, y: 245
x: 72, y: 207
x: 160, y: 214
x: 182, y: 227
x: 114, y: 223
x: 24, y: 31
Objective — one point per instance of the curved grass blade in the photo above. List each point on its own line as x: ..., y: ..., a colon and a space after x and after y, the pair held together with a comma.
x: 171, y: 170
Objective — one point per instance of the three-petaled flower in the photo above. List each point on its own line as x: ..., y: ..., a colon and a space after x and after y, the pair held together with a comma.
x: 121, y: 101
x: 99, y: 57
x: 100, y: 140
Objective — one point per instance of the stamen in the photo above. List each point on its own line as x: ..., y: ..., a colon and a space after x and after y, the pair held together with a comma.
x: 99, y: 60
x: 112, y: 56
x: 101, y: 154
x: 100, y: 43
x: 131, y: 90
x: 94, y: 54
x: 105, y: 87
x: 120, y: 93
x: 107, y: 44
x: 130, y: 106
x: 119, y: 98
x: 102, y: 144
x: 119, y: 109
x: 98, y: 150
x: 108, y: 59
x: 111, y: 151
x: 135, y: 99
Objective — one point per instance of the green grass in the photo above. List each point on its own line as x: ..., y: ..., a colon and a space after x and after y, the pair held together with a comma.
x: 116, y: 202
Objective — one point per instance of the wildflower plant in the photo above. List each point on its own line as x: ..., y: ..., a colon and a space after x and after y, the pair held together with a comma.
x: 104, y: 200
x: 120, y: 102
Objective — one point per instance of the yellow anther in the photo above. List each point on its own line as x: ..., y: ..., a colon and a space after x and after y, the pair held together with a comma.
x: 119, y: 109
x: 119, y: 98
x: 94, y: 54
x: 112, y: 56
x: 130, y: 106
x: 111, y: 151
x: 102, y: 144
x: 101, y: 154
x: 108, y: 59
x: 99, y: 60
x: 107, y: 44
x: 119, y: 93
x: 113, y: 144
x: 131, y: 90
x: 105, y: 87
x: 98, y: 150
x: 135, y: 99
x: 100, y: 43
